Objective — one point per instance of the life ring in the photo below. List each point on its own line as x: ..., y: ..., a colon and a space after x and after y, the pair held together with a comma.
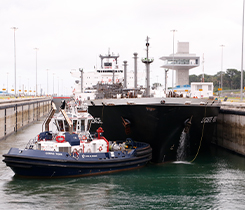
x: 100, y: 148
x: 84, y: 137
x: 60, y: 139
x: 75, y: 153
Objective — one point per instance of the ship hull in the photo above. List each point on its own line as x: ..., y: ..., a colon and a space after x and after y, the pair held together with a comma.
x: 157, y: 123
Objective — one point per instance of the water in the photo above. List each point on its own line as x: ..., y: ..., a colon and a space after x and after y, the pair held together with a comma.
x: 183, y: 146
x: 213, y: 181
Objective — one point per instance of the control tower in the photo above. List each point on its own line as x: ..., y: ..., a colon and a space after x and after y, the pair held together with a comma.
x: 181, y: 62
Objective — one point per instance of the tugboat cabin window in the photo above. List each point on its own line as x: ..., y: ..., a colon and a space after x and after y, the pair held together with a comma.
x: 74, y: 125
x: 61, y: 126
x: 66, y: 126
x: 80, y: 125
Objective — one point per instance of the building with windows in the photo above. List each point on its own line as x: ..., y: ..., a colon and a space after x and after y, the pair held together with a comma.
x: 202, y: 89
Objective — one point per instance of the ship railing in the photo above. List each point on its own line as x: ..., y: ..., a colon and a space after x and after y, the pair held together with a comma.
x: 32, y: 143
x: 147, y: 60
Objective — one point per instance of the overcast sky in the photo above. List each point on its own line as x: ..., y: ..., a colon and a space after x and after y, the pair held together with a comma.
x: 70, y: 34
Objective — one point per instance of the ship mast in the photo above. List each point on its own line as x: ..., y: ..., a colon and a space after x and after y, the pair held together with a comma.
x: 147, y: 62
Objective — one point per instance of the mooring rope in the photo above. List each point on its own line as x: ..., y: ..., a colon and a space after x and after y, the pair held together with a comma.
x: 102, y: 112
x: 201, y: 136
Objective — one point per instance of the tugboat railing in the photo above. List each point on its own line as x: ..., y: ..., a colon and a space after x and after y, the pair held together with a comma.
x: 32, y: 143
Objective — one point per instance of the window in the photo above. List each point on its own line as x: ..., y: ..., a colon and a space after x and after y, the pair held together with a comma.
x: 61, y: 126
x: 74, y: 125
x: 209, y: 87
x: 82, y: 125
x: 107, y: 64
x: 198, y: 87
x: 66, y: 126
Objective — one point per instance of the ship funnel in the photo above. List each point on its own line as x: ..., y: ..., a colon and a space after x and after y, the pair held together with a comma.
x: 125, y: 74
x: 81, y: 70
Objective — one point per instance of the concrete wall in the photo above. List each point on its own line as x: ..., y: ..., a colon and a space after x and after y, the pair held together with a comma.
x: 231, y: 127
x: 16, y: 115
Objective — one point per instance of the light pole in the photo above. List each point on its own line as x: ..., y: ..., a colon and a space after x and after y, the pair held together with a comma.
x: 221, y: 75
x: 7, y: 82
x: 47, y: 81
x: 20, y: 84
x: 62, y: 93
x: 36, y: 68
x: 242, y: 54
x: 53, y: 83
x: 173, y: 59
x: 166, y: 78
x: 58, y: 86
x: 14, y: 28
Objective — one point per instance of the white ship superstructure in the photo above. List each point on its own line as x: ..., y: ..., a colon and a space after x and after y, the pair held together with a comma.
x: 109, y: 72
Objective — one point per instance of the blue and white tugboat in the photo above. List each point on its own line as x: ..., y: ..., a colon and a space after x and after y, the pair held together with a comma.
x: 70, y: 150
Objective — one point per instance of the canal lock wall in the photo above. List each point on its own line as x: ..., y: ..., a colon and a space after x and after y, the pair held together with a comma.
x: 230, y: 130
x: 15, y: 114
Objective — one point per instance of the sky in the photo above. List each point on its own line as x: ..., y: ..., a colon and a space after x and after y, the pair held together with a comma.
x: 71, y: 34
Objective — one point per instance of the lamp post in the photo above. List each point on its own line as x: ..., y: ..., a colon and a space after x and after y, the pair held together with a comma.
x: 14, y: 28
x: 53, y: 83
x: 221, y: 74
x: 7, y: 82
x: 47, y: 81
x: 36, y: 68
x: 20, y: 84
x: 173, y: 59
x: 242, y: 54
x: 62, y: 90
x: 166, y: 79
x: 58, y: 86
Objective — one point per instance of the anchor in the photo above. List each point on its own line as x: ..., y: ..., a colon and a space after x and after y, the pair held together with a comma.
x: 126, y: 123
x: 187, y: 125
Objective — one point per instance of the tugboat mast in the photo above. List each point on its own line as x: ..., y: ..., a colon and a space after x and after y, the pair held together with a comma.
x: 147, y: 62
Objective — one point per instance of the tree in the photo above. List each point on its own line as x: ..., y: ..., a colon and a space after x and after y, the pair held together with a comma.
x: 194, y: 78
x: 232, y: 77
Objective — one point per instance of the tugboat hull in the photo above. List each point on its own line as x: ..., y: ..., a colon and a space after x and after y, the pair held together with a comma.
x: 49, y: 164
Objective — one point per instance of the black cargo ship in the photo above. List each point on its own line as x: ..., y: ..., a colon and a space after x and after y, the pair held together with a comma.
x: 159, y: 122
